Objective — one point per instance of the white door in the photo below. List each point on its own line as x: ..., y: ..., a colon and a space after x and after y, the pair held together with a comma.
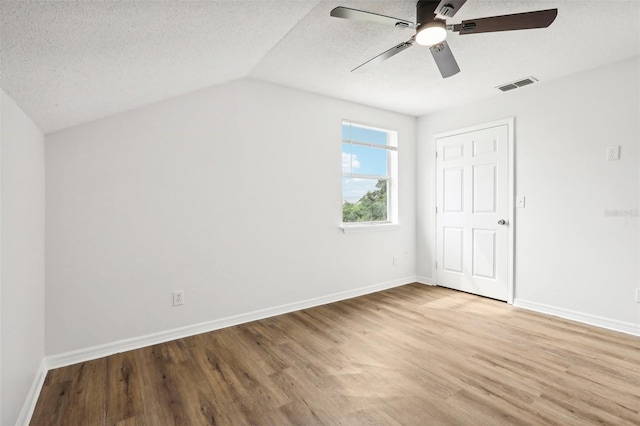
x: 473, y: 206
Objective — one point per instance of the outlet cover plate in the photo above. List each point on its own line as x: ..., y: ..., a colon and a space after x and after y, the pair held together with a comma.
x: 178, y: 297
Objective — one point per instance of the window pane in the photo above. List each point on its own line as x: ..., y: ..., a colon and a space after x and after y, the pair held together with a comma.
x: 347, y: 159
x: 364, y: 200
x: 364, y: 134
x: 369, y: 161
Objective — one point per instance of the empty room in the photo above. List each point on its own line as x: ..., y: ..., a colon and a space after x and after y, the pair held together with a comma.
x: 319, y: 212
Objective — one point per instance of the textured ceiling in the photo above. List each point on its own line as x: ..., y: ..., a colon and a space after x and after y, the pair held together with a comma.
x: 68, y: 62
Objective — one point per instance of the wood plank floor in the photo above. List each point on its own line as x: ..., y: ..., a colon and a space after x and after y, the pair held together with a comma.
x: 413, y: 355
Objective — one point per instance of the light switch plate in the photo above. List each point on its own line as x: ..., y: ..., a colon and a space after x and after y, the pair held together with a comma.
x: 520, y: 201
x: 613, y: 152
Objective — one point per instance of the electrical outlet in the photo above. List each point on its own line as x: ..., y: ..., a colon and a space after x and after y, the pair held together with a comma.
x: 637, y: 295
x: 178, y: 297
x: 395, y: 260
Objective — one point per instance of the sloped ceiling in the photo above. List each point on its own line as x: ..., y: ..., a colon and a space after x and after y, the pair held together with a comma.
x: 69, y: 62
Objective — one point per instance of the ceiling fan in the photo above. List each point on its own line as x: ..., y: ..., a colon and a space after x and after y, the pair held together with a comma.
x: 431, y: 28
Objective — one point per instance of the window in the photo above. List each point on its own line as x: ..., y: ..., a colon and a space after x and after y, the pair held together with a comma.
x: 369, y: 174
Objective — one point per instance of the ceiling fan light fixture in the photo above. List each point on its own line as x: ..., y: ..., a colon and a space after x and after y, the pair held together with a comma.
x: 432, y: 32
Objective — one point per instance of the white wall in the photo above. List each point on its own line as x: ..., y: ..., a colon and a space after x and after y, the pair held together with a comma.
x: 571, y: 259
x: 232, y: 194
x: 22, y: 248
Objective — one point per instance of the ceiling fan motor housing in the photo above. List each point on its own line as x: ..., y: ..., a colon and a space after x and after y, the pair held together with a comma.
x: 425, y: 11
x: 431, y: 30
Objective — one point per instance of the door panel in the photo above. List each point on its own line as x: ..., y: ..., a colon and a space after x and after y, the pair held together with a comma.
x: 484, y: 188
x: 472, y: 185
x: 453, y: 239
x: 484, y: 253
x: 453, y: 179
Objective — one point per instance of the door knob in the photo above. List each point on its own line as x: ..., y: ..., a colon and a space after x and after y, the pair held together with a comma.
x: 502, y: 222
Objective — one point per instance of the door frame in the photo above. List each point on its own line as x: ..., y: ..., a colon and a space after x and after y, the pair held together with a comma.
x: 510, y: 123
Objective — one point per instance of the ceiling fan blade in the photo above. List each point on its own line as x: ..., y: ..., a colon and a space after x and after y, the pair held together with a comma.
x: 360, y: 15
x: 385, y: 55
x: 448, y: 8
x: 517, y: 21
x: 444, y: 59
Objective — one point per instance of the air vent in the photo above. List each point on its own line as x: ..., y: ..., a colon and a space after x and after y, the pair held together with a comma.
x: 525, y: 82
x: 516, y: 84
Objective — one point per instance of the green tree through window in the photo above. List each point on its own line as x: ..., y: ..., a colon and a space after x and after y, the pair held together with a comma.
x: 372, y: 207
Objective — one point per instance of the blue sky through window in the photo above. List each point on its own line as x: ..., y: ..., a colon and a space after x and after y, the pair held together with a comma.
x: 364, y: 134
x: 364, y: 160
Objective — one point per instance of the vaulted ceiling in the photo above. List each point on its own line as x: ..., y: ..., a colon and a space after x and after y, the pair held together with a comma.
x: 69, y: 62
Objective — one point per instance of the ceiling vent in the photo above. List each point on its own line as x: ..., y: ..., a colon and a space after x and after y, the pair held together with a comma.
x: 516, y: 84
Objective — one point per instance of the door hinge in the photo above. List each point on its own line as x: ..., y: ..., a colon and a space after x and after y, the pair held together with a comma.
x: 436, y: 209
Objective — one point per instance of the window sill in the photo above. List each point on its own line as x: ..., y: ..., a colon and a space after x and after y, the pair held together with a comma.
x: 369, y: 227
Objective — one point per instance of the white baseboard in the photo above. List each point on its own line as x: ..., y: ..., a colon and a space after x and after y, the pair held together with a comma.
x: 426, y: 281
x: 95, y: 352
x: 32, y: 397
x: 608, y: 323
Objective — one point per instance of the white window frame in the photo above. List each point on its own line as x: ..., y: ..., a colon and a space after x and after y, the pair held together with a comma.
x: 392, y: 180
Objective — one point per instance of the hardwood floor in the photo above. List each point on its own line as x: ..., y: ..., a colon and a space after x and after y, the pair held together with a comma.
x: 413, y: 355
